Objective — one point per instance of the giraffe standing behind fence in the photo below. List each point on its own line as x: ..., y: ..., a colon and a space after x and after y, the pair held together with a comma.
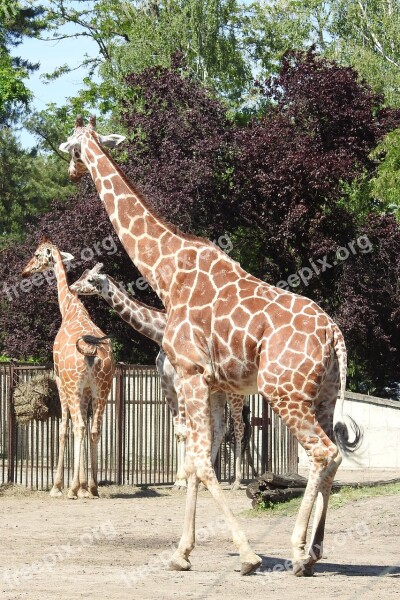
x: 84, y: 369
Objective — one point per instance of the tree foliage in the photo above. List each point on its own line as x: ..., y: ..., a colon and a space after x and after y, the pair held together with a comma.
x: 82, y: 227
x: 363, y: 34
x: 132, y: 36
x: 276, y: 185
x: 15, y: 22
x: 369, y: 312
x: 29, y: 182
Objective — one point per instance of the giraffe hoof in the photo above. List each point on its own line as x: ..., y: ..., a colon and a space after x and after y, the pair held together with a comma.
x: 250, y: 567
x: 179, y: 486
x: 83, y: 493
x: 55, y: 493
x: 302, y: 568
x: 94, y: 494
x: 178, y: 563
x: 71, y: 495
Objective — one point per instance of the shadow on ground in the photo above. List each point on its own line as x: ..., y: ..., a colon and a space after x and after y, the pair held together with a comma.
x: 281, y: 564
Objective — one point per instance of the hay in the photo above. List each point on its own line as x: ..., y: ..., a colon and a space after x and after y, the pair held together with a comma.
x: 36, y: 399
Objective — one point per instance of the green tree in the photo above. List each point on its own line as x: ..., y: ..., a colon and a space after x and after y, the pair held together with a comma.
x: 134, y: 35
x: 361, y: 33
x: 15, y: 22
x: 28, y: 183
x: 385, y: 186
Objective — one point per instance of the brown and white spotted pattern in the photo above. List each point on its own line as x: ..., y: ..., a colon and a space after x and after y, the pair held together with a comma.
x: 83, y: 372
x: 151, y: 322
x: 227, y: 330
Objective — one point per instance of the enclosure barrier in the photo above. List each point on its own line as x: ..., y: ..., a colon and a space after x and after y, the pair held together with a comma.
x: 137, y: 445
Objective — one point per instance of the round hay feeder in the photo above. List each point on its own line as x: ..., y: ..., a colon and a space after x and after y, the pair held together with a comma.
x: 36, y: 399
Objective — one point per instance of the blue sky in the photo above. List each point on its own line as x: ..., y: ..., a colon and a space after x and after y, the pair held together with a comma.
x: 51, y: 55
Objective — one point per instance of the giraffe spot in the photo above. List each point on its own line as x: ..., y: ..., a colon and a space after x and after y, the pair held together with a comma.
x: 284, y: 300
x: 222, y: 278
x: 149, y: 253
x: 222, y: 328
x: 240, y: 317
x: 310, y: 309
x: 254, y: 304
x: 277, y: 343
x: 108, y: 198
x: 186, y: 259
x: 298, y: 341
x: 204, y: 292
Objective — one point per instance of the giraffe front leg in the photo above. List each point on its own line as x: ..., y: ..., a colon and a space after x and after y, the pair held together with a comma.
x: 79, y: 435
x: 95, y: 432
x: 56, y: 490
x: 199, y: 466
x: 236, y: 403
x: 218, y: 402
x: 58, y: 485
x: 180, y: 559
x: 176, y: 404
x: 83, y: 491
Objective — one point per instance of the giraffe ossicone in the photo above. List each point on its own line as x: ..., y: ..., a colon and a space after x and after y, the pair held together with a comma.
x: 229, y: 331
x: 83, y: 367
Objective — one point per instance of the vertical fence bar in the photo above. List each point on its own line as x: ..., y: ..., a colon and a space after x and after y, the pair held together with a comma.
x: 11, y: 425
x: 119, y: 417
x: 265, y: 437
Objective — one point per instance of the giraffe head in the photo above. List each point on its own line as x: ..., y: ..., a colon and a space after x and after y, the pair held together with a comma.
x: 91, y: 282
x: 73, y: 145
x: 44, y: 258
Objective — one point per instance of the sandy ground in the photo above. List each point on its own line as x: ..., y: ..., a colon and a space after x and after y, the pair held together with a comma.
x: 116, y: 548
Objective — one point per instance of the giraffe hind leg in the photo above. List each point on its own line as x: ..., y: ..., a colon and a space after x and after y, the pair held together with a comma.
x: 304, y: 425
x: 325, y: 409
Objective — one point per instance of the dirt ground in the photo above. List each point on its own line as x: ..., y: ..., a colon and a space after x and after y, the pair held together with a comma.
x: 117, y: 547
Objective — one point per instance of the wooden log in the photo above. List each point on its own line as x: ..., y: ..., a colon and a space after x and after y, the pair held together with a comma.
x: 285, y: 480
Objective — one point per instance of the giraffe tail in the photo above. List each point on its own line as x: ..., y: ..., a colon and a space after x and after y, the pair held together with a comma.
x: 341, y: 430
x: 91, y: 340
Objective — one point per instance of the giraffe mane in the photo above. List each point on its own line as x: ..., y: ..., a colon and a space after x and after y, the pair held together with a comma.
x: 170, y: 226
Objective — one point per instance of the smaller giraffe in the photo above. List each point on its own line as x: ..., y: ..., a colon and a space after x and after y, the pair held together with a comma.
x: 84, y: 369
x: 151, y: 322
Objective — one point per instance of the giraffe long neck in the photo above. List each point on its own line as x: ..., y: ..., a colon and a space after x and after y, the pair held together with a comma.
x: 65, y: 296
x: 148, y: 321
x: 148, y: 241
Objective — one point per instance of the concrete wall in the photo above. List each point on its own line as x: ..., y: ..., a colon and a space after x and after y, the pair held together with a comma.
x: 380, y: 422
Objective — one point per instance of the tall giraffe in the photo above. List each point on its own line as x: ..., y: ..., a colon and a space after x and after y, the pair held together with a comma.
x: 151, y: 322
x: 83, y: 368
x: 227, y: 330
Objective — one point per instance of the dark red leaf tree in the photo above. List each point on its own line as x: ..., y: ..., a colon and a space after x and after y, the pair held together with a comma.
x: 274, y: 183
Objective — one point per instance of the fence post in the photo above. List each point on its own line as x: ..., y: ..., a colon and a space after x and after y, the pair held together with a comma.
x: 264, y: 437
x: 119, y: 417
x: 11, y: 425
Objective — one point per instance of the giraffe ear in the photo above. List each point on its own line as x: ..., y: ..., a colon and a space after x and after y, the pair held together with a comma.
x: 111, y: 141
x: 66, y: 257
x: 66, y: 146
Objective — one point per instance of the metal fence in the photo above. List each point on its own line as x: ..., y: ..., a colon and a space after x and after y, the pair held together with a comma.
x: 137, y: 444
